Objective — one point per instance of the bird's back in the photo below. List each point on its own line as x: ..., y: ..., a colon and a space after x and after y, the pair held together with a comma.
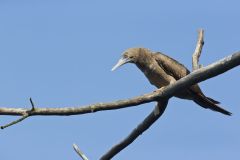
x: 171, y: 66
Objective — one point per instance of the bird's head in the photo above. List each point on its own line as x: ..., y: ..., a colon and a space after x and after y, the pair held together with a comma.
x: 129, y: 56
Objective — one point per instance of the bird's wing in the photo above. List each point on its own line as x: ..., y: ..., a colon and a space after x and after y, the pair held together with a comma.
x: 178, y: 70
x: 171, y: 66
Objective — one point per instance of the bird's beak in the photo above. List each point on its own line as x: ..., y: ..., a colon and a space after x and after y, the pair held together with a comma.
x: 121, y: 62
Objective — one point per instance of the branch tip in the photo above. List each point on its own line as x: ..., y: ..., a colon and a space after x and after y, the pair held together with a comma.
x: 16, y: 121
x: 33, y: 106
x: 79, y: 152
x: 198, y: 50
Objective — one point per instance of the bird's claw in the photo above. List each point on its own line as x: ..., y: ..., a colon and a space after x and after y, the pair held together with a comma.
x: 159, y: 89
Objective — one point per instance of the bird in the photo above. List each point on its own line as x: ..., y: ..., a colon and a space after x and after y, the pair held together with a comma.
x: 162, y: 70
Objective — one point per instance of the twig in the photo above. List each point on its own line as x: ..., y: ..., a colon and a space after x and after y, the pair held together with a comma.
x: 198, y: 50
x: 79, y: 152
x: 14, y: 122
x: 143, y: 126
x: 33, y: 106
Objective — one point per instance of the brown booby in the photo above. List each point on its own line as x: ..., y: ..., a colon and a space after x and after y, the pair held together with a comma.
x: 161, y: 70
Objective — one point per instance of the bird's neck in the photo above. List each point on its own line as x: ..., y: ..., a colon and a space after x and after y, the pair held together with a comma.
x: 144, y: 61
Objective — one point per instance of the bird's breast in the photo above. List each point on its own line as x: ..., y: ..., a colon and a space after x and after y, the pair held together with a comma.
x: 156, y: 78
x: 155, y: 74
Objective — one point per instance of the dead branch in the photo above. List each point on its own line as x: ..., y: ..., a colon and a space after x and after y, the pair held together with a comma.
x: 197, y: 76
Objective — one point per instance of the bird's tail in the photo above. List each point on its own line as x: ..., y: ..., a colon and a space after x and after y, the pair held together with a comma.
x: 210, y: 103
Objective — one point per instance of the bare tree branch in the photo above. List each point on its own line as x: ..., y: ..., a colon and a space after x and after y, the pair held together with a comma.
x: 199, y: 75
x: 143, y: 126
x: 197, y: 53
x: 66, y: 111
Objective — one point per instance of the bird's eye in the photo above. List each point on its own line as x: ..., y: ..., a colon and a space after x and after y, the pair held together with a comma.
x: 125, y: 56
x: 131, y: 57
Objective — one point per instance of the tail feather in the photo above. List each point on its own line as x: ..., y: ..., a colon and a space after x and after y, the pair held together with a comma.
x: 214, y: 101
x: 207, y: 102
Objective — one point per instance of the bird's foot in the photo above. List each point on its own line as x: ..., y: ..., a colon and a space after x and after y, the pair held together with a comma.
x: 159, y: 89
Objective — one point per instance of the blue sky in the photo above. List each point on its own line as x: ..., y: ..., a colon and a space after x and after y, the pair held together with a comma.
x: 60, y: 53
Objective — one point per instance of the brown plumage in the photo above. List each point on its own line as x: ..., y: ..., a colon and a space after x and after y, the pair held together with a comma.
x: 162, y: 70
